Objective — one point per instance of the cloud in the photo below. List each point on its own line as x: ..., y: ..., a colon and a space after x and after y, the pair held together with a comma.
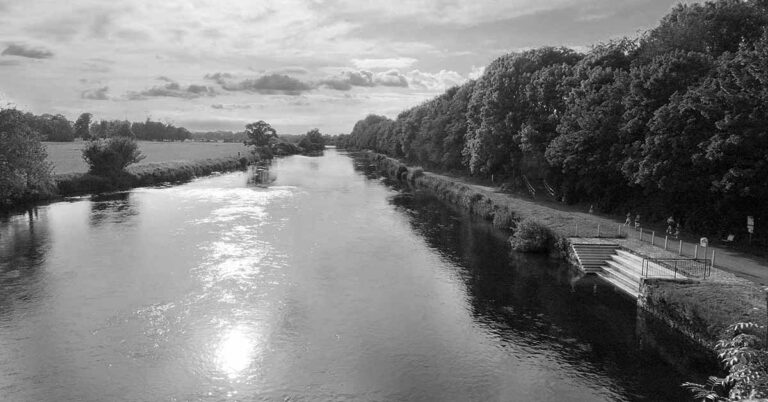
x: 172, y: 90
x: 27, y: 51
x: 391, y: 78
x: 435, y: 82
x: 476, y: 72
x: 233, y: 106
x: 397, y: 62
x: 95, y: 94
x: 268, y: 84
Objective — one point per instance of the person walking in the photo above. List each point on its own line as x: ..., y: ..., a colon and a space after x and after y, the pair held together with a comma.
x: 637, y: 222
x: 670, y: 224
x: 629, y: 219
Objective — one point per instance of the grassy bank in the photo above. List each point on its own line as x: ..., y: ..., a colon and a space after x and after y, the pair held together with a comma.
x: 67, y: 157
x: 146, y: 175
x: 703, y: 310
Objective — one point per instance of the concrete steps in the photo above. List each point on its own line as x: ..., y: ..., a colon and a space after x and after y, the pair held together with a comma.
x: 592, y: 257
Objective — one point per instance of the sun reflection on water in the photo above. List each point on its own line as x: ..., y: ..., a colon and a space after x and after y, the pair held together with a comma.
x: 236, y: 351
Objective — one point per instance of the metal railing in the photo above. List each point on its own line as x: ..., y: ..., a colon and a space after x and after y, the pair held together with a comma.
x: 676, y: 267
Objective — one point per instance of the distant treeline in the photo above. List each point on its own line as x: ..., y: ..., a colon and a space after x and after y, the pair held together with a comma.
x: 57, y: 128
x: 671, y: 123
x: 219, y: 136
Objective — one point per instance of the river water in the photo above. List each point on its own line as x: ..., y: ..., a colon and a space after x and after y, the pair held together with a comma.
x: 330, y: 284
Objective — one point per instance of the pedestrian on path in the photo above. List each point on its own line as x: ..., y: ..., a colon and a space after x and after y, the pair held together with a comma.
x: 677, y: 231
x: 629, y: 219
x: 670, y: 224
x: 637, y: 222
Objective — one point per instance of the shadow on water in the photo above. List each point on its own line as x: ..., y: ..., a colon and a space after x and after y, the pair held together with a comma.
x: 542, y: 304
x: 114, y: 208
x: 24, y: 245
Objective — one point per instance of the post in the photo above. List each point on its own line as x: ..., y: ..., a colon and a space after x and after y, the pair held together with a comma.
x: 618, y: 227
x: 695, y: 251
x: 653, y: 237
x: 680, y: 248
x: 598, y: 230
x: 641, y: 234
x: 577, y: 230
x: 713, y: 257
x: 666, y: 239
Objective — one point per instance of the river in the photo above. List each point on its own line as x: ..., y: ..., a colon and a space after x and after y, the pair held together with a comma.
x: 330, y: 284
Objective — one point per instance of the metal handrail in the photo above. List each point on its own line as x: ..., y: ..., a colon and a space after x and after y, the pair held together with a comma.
x: 688, y: 267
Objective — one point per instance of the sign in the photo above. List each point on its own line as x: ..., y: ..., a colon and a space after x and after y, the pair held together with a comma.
x: 750, y: 224
x: 703, y: 242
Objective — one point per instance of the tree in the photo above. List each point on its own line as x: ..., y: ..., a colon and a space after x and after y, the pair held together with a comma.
x: 312, y: 141
x: 261, y: 136
x: 24, y: 172
x: 82, y: 126
x: 56, y: 128
x: 109, y: 157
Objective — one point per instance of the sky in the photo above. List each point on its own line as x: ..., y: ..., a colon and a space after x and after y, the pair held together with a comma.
x: 296, y: 64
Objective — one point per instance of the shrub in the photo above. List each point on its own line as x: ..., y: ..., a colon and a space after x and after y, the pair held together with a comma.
x: 532, y: 237
x: 111, y: 156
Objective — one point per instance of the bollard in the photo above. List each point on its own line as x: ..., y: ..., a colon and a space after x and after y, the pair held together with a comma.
x: 618, y: 227
x: 653, y: 238
x: 598, y: 230
x: 577, y: 230
x: 713, y: 258
x: 680, y: 248
x: 695, y: 251
x: 666, y: 238
x: 641, y: 234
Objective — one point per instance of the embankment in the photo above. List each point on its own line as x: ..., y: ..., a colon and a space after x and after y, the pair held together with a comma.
x: 702, y: 310
x: 146, y: 175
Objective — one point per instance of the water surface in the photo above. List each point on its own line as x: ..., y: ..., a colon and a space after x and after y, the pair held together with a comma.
x: 330, y: 284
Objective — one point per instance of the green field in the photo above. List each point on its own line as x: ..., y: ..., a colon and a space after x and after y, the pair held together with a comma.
x: 67, y: 157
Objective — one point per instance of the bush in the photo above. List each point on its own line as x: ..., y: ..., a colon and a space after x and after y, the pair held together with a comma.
x: 532, y: 237
x: 111, y: 156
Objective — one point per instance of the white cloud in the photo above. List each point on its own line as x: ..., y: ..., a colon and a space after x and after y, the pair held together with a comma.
x: 437, y: 82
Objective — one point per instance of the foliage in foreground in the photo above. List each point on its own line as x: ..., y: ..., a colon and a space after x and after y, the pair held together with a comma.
x: 745, y: 356
x: 24, y: 172
x: 107, y: 157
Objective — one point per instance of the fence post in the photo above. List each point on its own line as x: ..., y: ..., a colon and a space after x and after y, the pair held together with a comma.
x: 577, y: 230
x: 713, y: 258
x: 641, y: 234
x: 619, y: 230
x: 598, y: 230
x: 695, y: 251
x: 680, y: 248
x: 666, y: 238
x: 653, y: 237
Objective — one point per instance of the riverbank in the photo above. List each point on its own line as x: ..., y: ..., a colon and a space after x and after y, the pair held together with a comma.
x: 701, y: 309
x: 72, y: 184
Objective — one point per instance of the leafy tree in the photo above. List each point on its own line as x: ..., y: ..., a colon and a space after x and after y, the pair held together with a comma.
x: 108, y: 157
x: 312, y: 141
x: 24, y: 172
x: 261, y: 136
x: 82, y: 126
x: 56, y: 128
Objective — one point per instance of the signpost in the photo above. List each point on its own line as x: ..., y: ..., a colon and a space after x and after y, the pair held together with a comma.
x: 750, y: 227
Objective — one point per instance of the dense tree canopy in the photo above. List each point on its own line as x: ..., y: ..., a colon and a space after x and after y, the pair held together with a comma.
x: 673, y: 122
x: 24, y: 171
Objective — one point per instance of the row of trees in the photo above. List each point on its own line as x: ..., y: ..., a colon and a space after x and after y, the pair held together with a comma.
x: 673, y: 122
x: 57, y: 128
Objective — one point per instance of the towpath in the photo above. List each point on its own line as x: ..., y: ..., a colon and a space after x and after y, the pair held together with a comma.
x: 572, y: 221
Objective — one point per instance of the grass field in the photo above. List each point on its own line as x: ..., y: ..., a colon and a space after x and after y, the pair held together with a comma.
x: 67, y: 157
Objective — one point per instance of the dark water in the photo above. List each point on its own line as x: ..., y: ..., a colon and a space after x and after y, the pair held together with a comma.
x: 329, y: 285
